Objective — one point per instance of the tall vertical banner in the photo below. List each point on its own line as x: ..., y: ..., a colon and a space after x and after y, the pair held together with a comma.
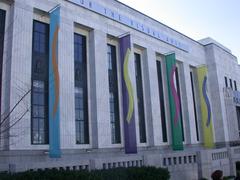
x: 174, y: 103
x: 127, y: 97
x: 208, y: 141
x: 54, y: 118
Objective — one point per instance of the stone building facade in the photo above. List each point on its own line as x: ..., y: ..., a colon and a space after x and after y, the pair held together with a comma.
x: 79, y: 99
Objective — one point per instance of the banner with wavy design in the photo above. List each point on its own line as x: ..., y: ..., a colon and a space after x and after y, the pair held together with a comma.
x: 54, y: 130
x: 127, y: 96
x: 205, y: 108
x: 174, y: 103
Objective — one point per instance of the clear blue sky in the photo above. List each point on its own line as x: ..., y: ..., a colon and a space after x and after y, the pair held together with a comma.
x: 218, y: 19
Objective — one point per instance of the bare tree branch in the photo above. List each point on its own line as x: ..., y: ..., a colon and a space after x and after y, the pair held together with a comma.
x: 15, y: 122
x: 14, y: 107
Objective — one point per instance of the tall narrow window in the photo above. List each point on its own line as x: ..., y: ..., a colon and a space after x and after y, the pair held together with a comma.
x: 113, y: 94
x: 194, y: 104
x: 235, y: 85
x: 80, y: 81
x: 39, y: 102
x: 231, y: 86
x: 161, y: 99
x: 2, y: 32
x: 179, y: 95
x: 140, y: 101
x: 226, y: 81
x: 238, y: 119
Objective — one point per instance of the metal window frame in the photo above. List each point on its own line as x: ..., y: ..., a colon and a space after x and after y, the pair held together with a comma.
x: 40, y: 77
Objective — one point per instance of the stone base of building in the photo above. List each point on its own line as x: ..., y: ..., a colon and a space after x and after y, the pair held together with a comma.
x: 188, y: 164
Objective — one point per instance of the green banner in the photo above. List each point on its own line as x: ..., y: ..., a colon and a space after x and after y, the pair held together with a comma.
x: 174, y: 103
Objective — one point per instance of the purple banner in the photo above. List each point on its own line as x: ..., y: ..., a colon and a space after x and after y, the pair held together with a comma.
x: 127, y: 97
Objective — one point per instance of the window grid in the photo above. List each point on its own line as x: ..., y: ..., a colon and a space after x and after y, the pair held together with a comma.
x: 194, y: 104
x: 39, y: 95
x: 2, y: 32
x: 79, y: 115
x: 39, y: 122
x: 81, y: 97
x: 179, y: 95
x: 78, y: 47
x: 226, y: 81
x: 109, y: 54
x: 113, y: 95
x: 162, y: 104
x: 238, y: 118
x: 231, y: 86
x: 235, y: 85
x: 140, y: 100
x: 40, y: 38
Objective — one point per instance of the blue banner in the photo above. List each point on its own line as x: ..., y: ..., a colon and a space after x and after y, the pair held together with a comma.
x: 54, y: 118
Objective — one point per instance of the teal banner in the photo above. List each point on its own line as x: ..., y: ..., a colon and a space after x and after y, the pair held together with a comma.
x: 54, y: 118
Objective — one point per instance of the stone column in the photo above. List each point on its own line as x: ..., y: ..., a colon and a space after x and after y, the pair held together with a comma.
x: 153, y: 122
x: 99, y: 90
x: 20, y: 74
